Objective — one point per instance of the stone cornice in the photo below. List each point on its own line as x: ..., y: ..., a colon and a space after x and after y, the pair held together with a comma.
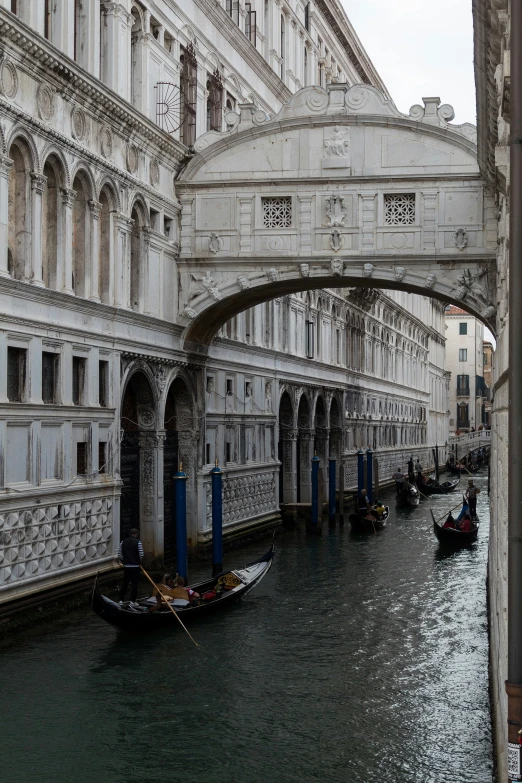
x: 216, y: 13
x: 72, y: 78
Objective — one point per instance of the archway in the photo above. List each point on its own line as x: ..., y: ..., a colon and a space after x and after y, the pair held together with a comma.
x: 80, y: 232
x: 19, y: 208
x: 305, y: 443
x: 287, y: 450
x: 52, y: 224
x: 322, y: 436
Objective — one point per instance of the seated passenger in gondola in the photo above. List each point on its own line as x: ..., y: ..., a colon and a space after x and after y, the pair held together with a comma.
x: 466, y: 526
x: 450, y: 522
x: 174, y: 589
x: 379, y: 508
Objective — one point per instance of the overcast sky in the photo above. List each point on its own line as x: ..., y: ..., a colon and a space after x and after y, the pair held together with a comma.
x: 420, y: 48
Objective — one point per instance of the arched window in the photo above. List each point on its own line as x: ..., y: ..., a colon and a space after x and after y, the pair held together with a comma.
x: 136, y: 283
x: 51, y: 223
x: 81, y: 222
x: 106, y: 246
x: 19, y: 212
x: 136, y: 55
x: 214, y: 101
x: 188, y: 90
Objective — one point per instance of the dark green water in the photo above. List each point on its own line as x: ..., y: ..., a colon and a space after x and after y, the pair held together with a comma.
x: 357, y: 660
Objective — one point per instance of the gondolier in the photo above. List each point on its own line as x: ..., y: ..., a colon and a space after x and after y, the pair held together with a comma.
x: 130, y: 554
x: 471, y: 496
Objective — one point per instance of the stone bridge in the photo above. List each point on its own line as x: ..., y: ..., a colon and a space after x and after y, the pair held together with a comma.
x: 339, y: 190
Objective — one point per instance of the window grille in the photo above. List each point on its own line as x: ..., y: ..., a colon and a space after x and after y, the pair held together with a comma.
x: 48, y: 377
x: 188, y: 89
x: 81, y: 459
x: 399, y: 209
x: 214, y: 101
x: 277, y: 212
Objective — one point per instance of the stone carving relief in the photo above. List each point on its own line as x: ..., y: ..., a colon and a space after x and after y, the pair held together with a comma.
x: 161, y: 374
x: 8, y: 79
x: 483, y: 292
x: 363, y: 297
x: 45, y: 102
x: 336, y: 210
x: 268, y: 396
x: 78, y: 123
x: 243, y: 282
x: 336, y: 240
x: 189, y: 312
x: 430, y: 281
x: 106, y: 141
x: 145, y: 417
x: 399, y: 273
x: 460, y: 237
x: 215, y: 243
x: 154, y: 172
x: 304, y: 270
x: 273, y: 275
x: 208, y: 284
x: 248, y: 496
x: 132, y: 158
x: 337, y: 146
x: 336, y: 266
x: 368, y: 270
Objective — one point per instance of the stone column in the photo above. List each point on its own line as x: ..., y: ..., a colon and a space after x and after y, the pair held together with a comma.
x: 65, y: 257
x: 307, y: 452
x: 116, y: 25
x: 289, y: 438
x: 322, y: 448
x: 5, y: 166
x: 145, y: 303
x: 188, y: 441
x: 151, y: 495
x: 37, y: 185
x: 121, y: 281
x: 93, y: 292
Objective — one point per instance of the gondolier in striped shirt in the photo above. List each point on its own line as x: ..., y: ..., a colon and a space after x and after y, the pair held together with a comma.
x: 130, y: 554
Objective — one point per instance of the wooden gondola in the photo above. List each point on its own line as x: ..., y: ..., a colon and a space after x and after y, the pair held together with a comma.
x: 142, y: 619
x: 409, y: 496
x: 462, y: 470
x: 451, y: 536
x: 432, y: 487
x: 361, y: 525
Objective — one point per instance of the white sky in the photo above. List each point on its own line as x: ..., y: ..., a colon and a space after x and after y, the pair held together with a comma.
x: 420, y: 48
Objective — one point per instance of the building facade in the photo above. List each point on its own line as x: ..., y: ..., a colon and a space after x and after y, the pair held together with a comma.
x: 468, y: 391
x: 100, y: 105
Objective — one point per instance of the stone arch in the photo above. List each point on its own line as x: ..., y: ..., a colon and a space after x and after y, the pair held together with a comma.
x: 19, y: 134
x: 107, y: 183
x: 304, y: 447
x: 53, y: 250
x: 109, y: 205
x: 190, y: 35
x: 57, y: 155
x: 82, y: 230
x: 19, y: 248
x: 82, y: 169
x: 287, y: 448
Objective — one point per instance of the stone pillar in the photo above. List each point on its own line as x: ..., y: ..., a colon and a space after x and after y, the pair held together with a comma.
x: 322, y: 448
x: 151, y: 495
x: 93, y: 292
x: 188, y: 441
x: 5, y: 166
x: 121, y: 283
x: 145, y: 303
x: 37, y: 185
x: 65, y: 257
x: 289, y: 438
x: 306, y: 438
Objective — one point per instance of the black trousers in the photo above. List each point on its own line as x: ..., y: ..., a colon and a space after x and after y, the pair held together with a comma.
x: 472, y: 507
x: 130, y: 574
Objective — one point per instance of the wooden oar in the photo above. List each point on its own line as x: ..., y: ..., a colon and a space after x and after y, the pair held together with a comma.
x: 164, y: 598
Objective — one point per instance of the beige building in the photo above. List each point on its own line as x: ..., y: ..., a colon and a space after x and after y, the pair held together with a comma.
x: 465, y: 362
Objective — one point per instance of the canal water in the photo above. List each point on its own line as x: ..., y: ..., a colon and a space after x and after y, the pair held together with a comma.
x: 356, y: 660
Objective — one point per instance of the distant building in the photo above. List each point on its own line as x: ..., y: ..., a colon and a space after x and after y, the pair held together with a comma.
x: 468, y: 392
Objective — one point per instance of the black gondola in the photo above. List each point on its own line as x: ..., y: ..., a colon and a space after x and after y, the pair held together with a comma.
x: 362, y: 525
x: 451, y: 536
x: 409, y: 496
x: 142, y: 619
x: 432, y: 487
x: 462, y: 470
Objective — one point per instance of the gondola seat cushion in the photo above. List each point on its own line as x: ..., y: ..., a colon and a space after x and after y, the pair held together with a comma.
x: 209, y: 595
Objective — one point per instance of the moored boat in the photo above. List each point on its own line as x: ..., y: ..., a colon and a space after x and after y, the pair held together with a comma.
x: 451, y: 536
x: 462, y: 469
x: 409, y: 496
x: 142, y: 618
x: 432, y: 487
x: 360, y: 524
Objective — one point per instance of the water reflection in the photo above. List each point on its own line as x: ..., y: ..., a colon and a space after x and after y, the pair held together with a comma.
x: 357, y: 660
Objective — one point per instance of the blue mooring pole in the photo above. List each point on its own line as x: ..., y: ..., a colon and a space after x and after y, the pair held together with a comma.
x: 369, y: 473
x: 360, y: 471
x: 315, y: 491
x: 217, y: 520
x: 180, y: 500
x: 332, y: 467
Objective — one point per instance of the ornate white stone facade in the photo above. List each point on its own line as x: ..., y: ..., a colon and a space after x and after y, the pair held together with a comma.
x: 101, y: 398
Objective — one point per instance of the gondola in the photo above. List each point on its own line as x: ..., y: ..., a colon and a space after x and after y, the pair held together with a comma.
x: 451, y: 536
x: 361, y: 525
x: 142, y: 619
x: 409, y: 496
x: 432, y: 487
x: 462, y: 470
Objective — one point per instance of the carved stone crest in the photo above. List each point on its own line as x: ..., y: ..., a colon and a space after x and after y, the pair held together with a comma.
x: 78, y: 123
x: 430, y: 281
x: 8, y: 79
x: 106, y: 142
x: 132, y: 158
x: 336, y: 210
x: 337, y: 146
x: 460, y: 237
x: 336, y: 266
x: 399, y: 273
x: 336, y: 240
x: 273, y: 275
x: 243, y: 282
x: 215, y: 243
x: 304, y: 270
x: 45, y: 101
x: 154, y: 172
x: 368, y: 270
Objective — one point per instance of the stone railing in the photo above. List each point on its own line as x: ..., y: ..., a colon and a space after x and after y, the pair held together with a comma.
x: 473, y: 440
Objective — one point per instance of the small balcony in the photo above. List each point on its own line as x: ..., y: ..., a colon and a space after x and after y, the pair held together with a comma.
x: 463, y: 424
x: 462, y: 391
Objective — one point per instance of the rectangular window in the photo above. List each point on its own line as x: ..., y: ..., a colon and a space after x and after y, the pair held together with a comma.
x: 277, y: 211
x: 230, y: 387
x: 14, y: 6
x: 463, y: 354
x: 102, y: 458
x: 309, y: 339
x: 207, y: 454
x: 81, y: 459
x: 16, y: 358
x: 337, y: 346
x: 78, y: 380
x: 228, y: 452
x: 214, y: 101
x: 250, y: 24
x: 463, y: 385
x: 232, y: 9
x: 463, y: 328
x: 399, y: 209
x: 188, y: 90
x: 47, y: 20
x: 307, y: 16
x: 49, y: 373
x: 103, y: 384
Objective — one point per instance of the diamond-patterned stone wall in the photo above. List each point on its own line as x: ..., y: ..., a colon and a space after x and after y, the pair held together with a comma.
x: 44, y: 539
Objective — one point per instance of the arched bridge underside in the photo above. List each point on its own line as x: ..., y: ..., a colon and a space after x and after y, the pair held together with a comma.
x: 339, y: 190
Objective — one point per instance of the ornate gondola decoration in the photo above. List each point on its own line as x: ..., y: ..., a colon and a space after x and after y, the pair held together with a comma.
x: 451, y: 536
x: 143, y: 619
x: 409, y: 496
